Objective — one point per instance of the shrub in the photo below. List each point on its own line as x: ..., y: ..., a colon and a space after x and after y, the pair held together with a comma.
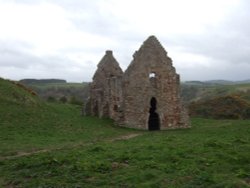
x: 51, y: 99
x: 225, y: 107
x: 63, y: 99
x: 74, y: 100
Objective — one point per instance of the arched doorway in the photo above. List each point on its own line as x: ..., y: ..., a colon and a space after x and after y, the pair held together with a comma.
x: 96, y: 109
x: 153, y: 120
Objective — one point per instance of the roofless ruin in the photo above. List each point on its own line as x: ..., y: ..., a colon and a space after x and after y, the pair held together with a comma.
x: 146, y: 96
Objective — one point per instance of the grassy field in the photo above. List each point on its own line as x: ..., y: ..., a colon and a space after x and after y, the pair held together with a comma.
x: 94, y: 153
x: 52, y: 145
x: 50, y: 126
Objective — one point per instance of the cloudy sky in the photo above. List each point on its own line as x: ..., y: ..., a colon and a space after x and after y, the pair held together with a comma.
x: 207, y: 39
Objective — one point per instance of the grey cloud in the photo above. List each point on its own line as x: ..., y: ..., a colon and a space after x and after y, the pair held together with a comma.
x: 229, y: 41
x: 15, y: 58
x: 18, y: 63
x: 21, y: 66
x: 227, y: 45
x: 90, y: 16
x: 12, y: 53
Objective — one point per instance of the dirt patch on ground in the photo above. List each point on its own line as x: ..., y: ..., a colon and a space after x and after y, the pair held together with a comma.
x: 126, y: 137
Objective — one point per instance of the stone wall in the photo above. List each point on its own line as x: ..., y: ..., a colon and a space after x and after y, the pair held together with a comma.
x: 105, y: 90
x: 151, y: 76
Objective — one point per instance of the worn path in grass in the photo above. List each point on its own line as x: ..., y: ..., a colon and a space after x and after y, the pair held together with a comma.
x: 73, y: 146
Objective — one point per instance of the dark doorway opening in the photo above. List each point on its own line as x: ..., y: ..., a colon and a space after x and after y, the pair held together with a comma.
x: 96, y: 109
x: 153, y: 121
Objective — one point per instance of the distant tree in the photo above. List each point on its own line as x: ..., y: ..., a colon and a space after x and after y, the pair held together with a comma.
x: 247, y: 113
x: 51, y: 99
x: 74, y: 100
x: 188, y: 93
x: 63, y: 99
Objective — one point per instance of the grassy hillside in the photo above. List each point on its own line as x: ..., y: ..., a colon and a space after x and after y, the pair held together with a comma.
x: 14, y: 93
x: 29, y: 124
x: 51, y: 145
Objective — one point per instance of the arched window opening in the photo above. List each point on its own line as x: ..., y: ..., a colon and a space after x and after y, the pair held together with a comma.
x: 152, y: 75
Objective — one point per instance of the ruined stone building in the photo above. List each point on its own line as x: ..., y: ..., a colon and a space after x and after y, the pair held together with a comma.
x: 146, y: 96
x: 105, y: 90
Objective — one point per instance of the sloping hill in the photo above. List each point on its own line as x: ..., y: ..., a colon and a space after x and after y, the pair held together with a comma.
x: 28, y: 124
x: 15, y: 93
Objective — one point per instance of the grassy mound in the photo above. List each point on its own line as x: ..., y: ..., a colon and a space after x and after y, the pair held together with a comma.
x: 15, y: 93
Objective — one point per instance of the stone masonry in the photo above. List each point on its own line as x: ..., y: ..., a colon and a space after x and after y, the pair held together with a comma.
x: 146, y: 96
x: 105, y: 90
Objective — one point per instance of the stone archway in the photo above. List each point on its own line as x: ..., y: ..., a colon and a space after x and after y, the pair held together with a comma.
x: 153, y: 120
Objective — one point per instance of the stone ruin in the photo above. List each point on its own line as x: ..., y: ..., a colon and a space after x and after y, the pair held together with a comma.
x: 105, y: 90
x: 146, y: 96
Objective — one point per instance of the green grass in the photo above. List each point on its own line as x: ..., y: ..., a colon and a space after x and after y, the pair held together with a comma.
x: 213, y: 153
x: 10, y: 93
x: 50, y: 126
x: 80, y: 151
x: 31, y: 126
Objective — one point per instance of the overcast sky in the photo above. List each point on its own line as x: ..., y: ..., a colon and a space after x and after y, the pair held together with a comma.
x: 207, y: 39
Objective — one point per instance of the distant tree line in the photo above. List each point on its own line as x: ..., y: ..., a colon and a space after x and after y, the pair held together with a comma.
x: 41, y: 81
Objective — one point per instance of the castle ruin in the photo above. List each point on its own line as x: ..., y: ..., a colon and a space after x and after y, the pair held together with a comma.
x: 146, y: 96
